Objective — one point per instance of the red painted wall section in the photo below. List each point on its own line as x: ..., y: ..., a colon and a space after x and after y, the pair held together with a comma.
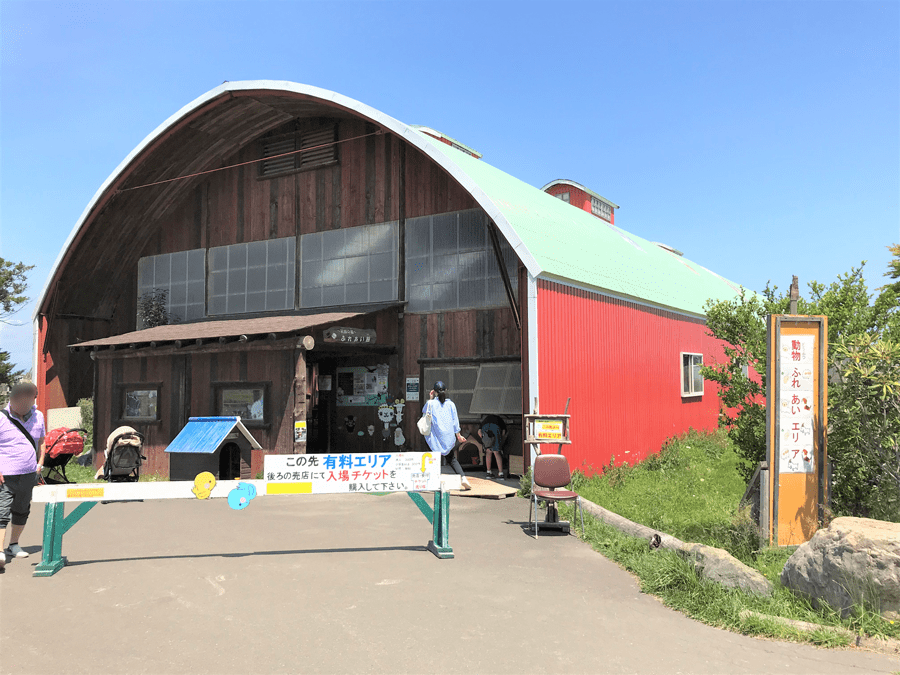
x: 620, y: 362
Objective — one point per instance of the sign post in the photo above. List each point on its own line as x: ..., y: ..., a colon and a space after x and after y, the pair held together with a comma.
x: 796, y: 423
x: 543, y: 429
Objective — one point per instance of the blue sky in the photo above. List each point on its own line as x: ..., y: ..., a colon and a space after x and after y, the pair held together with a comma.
x: 762, y: 138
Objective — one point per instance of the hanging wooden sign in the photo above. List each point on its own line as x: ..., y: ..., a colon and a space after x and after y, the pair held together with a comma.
x: 350, y: 335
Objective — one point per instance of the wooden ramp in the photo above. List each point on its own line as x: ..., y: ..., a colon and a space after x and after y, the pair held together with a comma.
x: 486, y: 489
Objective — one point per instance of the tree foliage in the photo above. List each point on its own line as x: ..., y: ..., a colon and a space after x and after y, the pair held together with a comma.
x: 152, y: 308
x: 852, y: 311
x: 893, y: 270
x: 8, y: 373
x: 13, y: 283
x: 864, y: 421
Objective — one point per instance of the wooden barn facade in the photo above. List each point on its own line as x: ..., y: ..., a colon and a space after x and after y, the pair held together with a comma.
x: 319, y: 264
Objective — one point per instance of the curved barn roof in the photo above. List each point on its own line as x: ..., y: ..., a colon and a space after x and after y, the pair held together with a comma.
x: 551, y: 238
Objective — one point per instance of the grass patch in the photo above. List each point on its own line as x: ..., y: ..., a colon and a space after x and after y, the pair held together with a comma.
x: 85, y: 474
x: 691, y: 490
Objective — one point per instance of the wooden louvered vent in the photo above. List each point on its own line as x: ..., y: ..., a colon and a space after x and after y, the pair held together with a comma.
x: 320, y: 142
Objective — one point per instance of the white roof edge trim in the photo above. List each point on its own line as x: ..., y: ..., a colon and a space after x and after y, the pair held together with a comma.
x: 239, y: 425
x: 415, y: 138
x: 575, y: 184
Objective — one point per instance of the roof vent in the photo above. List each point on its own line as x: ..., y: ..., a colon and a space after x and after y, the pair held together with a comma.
x: 668, y: 248
x: 444, y: 138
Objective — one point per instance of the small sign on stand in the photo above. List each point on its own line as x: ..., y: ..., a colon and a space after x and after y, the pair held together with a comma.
x: 543, y: 429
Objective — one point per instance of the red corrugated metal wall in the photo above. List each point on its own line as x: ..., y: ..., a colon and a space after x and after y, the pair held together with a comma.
x: 620, y: 363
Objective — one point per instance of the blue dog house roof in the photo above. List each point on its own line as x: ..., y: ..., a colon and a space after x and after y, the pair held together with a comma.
x: 204, y: 435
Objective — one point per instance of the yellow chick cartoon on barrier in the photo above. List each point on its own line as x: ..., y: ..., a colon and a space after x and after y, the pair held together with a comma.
x: 203, y: 485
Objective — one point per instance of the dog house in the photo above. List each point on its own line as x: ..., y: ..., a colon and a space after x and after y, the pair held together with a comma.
x: 220, y: 445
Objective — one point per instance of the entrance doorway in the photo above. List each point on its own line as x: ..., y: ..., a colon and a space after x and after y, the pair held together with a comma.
x: 230, y: 462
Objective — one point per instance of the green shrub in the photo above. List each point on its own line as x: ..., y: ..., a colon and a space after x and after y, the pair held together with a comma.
x: 87, y: 421
x: 864, y: 434
x: 525, y: 485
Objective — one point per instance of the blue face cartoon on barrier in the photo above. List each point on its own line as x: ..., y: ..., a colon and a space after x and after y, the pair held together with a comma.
x: 239, y: 498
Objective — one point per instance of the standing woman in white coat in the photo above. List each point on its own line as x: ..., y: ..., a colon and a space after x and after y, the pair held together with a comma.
x: 445, y: 428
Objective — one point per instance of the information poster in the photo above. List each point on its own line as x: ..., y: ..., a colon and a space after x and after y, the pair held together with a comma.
x: 299, y: 431
x: 348, y: 473
x: 362, y: 385
x: 796, y: 433
x: 412, y: 388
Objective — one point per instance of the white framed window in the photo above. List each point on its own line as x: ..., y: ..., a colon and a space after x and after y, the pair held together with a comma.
x: 247, y: 401
x: 691, y: 379
x: 564, y: 196
x: 140, y: 403
x: 254, y: 277
x: 745, y: 370
x: 350, y: 266
x: 601, y: 209
x: 450, y: 263
x: 182, y: 276
x: 498, y: 390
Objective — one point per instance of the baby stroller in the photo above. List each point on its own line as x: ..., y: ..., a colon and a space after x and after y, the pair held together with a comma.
x: 62, y: 445
x: 123, y: 456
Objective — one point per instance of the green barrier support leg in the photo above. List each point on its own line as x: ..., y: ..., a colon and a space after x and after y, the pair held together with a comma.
x: 440, y: 544
x: 419, y: 501
x: 56, y: 524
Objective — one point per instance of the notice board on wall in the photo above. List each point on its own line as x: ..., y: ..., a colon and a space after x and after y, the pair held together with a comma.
x: 362, y: 385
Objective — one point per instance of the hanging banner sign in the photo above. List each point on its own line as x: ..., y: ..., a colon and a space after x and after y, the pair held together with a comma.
x: 350, y: 335
x: 348, y: 473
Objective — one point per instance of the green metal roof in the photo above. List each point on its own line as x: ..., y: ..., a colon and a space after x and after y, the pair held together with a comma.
x: 571, y: 244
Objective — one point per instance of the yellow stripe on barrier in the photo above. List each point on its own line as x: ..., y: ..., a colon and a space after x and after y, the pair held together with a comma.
x: 288, y: 488
x: 84, y: 492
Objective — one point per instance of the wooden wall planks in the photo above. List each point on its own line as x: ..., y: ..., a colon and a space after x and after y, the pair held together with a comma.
x: 237, y: 206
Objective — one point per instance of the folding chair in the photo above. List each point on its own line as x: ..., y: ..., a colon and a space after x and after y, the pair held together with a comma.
x: 551, y: 472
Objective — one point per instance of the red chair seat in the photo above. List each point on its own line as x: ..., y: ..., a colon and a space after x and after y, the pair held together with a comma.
x: 555, y: 495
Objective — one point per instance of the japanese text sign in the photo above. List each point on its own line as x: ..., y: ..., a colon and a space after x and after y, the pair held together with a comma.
x: 352, y: 472
x: 548, y: 430
x: 796, y: 400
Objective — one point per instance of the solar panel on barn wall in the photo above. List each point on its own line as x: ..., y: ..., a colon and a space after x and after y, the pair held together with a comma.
x: 620, y: 364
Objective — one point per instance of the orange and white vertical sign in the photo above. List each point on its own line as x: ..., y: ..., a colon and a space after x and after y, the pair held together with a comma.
x: 796, y: 414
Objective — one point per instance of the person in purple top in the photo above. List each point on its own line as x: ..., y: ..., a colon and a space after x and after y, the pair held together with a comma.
x: 445, y: 428
x: 21, y: 440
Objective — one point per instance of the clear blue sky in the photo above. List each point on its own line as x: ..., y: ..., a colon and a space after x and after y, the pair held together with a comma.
x: 762, y: 138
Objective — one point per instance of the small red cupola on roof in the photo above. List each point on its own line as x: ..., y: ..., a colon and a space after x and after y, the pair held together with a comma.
x: 578, y: 195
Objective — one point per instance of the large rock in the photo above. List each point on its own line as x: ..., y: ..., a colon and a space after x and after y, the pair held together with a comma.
x: 852, y: 561
x: 723, y: 568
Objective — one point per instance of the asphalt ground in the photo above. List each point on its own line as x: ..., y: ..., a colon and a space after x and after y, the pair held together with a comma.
x: 343, y: 584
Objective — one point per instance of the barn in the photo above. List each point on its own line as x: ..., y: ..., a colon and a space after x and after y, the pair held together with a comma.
x: 288, y: 255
